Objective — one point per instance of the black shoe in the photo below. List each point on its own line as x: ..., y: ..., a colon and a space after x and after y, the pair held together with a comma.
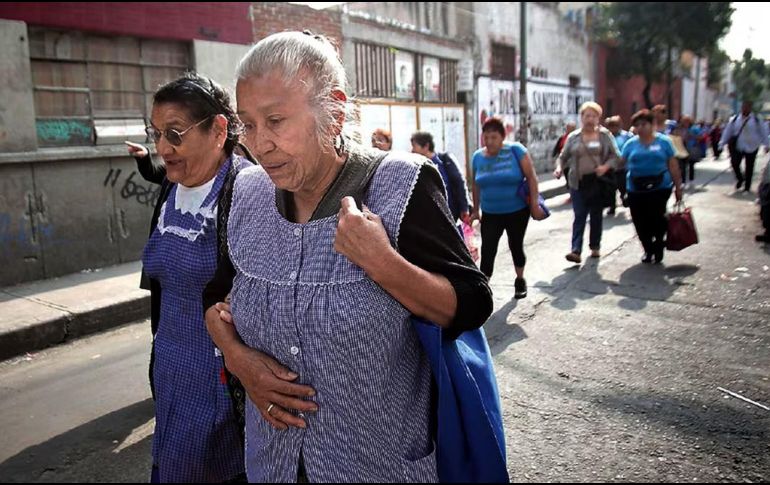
x: 738, y: 185
x: 521, y: 288
x: 659, y: 256
x: 647, y: 258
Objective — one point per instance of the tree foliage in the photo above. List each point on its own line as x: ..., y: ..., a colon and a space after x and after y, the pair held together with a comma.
x: 645, y: 33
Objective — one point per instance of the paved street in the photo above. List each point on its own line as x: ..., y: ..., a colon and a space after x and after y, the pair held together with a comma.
x: 608, y: 372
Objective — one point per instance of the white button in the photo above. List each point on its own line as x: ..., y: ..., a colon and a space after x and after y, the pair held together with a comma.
x: 294, y: 351
x: 293, y: 275
x: 298, y: 232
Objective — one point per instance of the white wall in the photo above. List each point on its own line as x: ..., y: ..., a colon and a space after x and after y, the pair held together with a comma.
x: 218, y: 61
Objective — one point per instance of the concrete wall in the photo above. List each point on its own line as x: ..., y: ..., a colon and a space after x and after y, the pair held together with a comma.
x: 218, y: 61
x: 78, y: 211
x: 704, y: 110
x: 17, y: 108
x: 555, y: 47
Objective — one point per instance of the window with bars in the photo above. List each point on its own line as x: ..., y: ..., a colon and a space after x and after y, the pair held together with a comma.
x: 80, y: 79
x: 385, y: 72
x: 503, y: 61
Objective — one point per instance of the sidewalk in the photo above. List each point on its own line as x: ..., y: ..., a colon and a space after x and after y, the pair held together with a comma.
x: 36, y: 315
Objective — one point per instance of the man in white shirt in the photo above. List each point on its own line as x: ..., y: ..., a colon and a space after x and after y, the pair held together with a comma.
x: 744, y: 134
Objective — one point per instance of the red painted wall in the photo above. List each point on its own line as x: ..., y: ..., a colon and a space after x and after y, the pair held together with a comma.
x: 221, y: 22
x: 624, y: 92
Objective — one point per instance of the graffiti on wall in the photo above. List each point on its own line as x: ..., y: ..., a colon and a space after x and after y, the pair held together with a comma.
x: 142, y: 194
x: 64, y: 132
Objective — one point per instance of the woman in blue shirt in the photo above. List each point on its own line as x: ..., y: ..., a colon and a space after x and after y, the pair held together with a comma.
x: 498, y: 170
x: 652, y: 172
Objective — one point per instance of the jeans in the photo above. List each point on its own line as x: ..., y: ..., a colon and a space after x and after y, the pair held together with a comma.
x: 582, y: 211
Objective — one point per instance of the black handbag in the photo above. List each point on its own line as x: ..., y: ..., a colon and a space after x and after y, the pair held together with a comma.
x: 597, y: 190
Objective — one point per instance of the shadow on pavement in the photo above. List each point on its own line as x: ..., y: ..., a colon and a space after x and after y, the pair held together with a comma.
x: 93, y: 452
x: 644, y: 282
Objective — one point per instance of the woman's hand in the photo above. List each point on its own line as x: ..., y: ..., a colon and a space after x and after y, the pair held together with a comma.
x: 361, y: 236
x: 602, y: 170
x: 267, y: 382
x: 537, y: 212
x: 136, y: 150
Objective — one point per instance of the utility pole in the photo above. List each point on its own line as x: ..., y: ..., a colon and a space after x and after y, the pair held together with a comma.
x: 523, y: 108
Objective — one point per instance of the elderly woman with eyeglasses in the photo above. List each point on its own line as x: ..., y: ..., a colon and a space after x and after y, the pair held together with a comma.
x: 198, y: 436
x: 334, y: 247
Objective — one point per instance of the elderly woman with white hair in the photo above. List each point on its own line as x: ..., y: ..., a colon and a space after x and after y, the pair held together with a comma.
x: 588, y: 155
x: 323, y: 289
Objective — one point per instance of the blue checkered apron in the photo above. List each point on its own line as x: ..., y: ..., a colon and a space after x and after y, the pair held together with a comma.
x: 196, y: 435
x: 317, y: 313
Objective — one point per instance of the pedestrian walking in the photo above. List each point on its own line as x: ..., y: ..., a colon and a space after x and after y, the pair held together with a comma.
x: 653, y: 171
x: 319, y: 327
x: 590, y: 154
x: 198, y: 434
x: 454, y: 181
x: 743, y: 135
x: 499, y: 168
x: 615, y: 125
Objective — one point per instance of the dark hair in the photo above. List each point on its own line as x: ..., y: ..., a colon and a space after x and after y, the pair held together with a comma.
x: 642, y: 115
x: 423, y: 138
x: 202, y: 98
x: 494, y: 124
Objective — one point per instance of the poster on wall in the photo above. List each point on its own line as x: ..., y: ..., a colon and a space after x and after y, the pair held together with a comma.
x: 372, y: 116
x: 404, y: 75
x: 454, y: 134
x: 431, y: 79
x: 432, y: 121
x: 403, y: 122
x: 497, y: 98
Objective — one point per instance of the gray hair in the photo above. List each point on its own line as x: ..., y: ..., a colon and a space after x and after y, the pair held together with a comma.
x: 311, y: 60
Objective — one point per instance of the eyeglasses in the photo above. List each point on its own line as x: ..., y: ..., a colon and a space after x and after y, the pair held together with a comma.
x: 174, y: 137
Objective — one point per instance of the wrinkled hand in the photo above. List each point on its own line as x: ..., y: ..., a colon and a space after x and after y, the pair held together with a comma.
x: 268, y: 383
x: 136, y: 150
x: 361, y: 236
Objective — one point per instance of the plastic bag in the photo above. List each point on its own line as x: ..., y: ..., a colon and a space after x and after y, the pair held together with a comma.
x: 472, y: 237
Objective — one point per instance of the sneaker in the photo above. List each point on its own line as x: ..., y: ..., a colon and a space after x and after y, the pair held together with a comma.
x: 521, y: 288
x: 574, y: 257
x: 647, y: 258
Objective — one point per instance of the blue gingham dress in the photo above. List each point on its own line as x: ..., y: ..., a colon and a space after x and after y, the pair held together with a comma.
x: 318, y: 314
x: 196, y: 435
